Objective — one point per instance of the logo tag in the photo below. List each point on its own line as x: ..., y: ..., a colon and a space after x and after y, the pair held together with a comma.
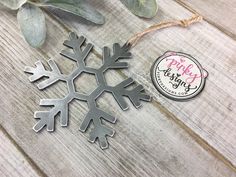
x: 178, y: 76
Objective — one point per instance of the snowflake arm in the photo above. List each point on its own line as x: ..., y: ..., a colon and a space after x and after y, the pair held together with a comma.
x: 112, y: 61
x: 135, y: 95
x: 39, y: 72
x: 47, y: 118
x: 76, y: 43
x: 100, y: 131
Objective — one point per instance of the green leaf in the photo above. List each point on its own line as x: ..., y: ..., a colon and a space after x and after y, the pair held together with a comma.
x: 13, y: 4
x: 32, y: 23
x: 142, y: 8
x: 77, y: 7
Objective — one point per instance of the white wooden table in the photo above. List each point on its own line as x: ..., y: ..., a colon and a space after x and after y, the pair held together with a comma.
x: 164, y: 138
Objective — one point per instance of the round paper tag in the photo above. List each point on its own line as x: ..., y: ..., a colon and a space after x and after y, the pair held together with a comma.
x: 178, y: 76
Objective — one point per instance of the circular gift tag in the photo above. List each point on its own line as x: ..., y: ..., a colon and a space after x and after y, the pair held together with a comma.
x: 178, y: 76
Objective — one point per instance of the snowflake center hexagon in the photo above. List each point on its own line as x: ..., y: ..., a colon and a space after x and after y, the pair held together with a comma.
x: 85, y: 83
x: 79, y: 53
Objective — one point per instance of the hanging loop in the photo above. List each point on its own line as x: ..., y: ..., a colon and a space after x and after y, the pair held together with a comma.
x: 182, y: 23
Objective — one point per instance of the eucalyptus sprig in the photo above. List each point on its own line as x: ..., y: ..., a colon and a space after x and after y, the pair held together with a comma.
x: 32, y: 20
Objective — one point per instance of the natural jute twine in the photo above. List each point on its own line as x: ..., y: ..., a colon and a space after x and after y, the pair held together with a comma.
x: 182, y: 23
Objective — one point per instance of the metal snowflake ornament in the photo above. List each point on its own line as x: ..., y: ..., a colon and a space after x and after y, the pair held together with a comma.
x: 94, y: 115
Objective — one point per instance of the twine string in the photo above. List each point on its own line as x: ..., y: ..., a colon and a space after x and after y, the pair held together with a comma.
x: 182, y: 23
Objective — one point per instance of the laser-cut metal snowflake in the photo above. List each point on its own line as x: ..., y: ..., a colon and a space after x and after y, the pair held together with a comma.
x: 94, y: 115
